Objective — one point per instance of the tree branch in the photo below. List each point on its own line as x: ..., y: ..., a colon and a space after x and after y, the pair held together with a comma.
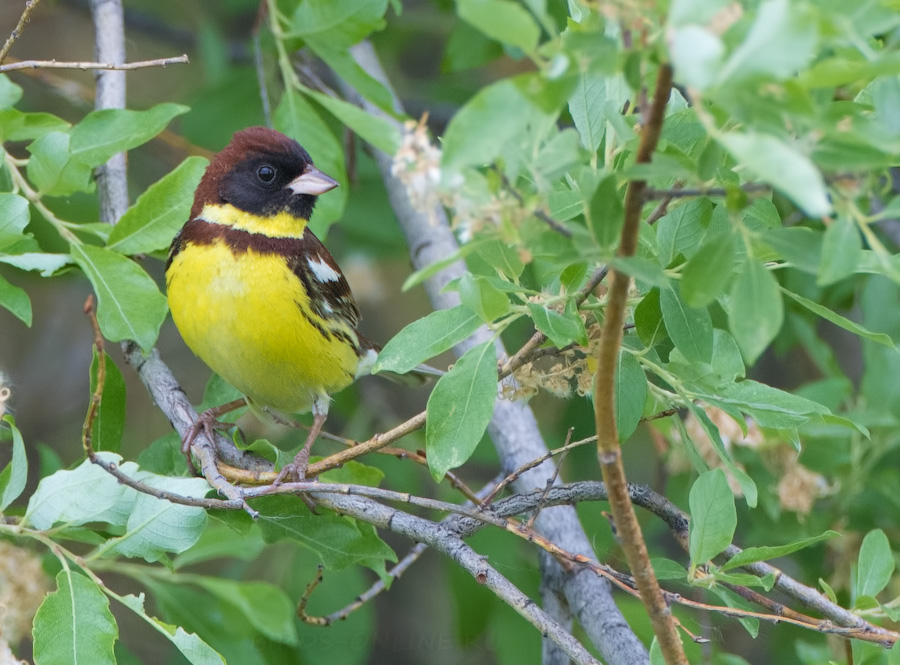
x: 608, y: 449
x: 443, y: 539
x: 17, y: 31
x: 126, y: 66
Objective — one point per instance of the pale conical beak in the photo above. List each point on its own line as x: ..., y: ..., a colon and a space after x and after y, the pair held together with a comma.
x: 312, y: 181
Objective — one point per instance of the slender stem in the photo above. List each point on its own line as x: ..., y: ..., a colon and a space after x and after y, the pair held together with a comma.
x: 608, y: 449
x: 17, y: 31
x: 56, y: 64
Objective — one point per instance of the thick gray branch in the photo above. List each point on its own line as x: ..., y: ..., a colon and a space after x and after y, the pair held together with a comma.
x: 109, y: 40
x: 514, y: 429
x: 445, y: 540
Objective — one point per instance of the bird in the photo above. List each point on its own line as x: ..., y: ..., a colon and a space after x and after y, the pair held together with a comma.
x: 257, y: 296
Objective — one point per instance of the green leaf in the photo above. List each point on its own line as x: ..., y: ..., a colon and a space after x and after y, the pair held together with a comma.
x: 52, y: 169
x: 875, y: 566
x: 129, y: 305
x: 156, y: 526
x: 340, y: 23
x: 781, y: 40
x: 297, y: 118
x: 708, y: 274
x: 74, y: 624
x: 841, y: 251
x: 768, y: 406
x: 482, y: 297
x: 697, y: 55
x: 104, y: 133
x: 18, y: 126
x: 195, y: 650
x: 631, y: 393
x: 265, y: 606
x: 45, y: 263
x: 502, y: 257
x: 10, y: 93
x: 754, y: 554
x: 109, y: 422
x: 839, y: 320
x: 713, y: 516
x: 560, y: 329
x: 499, y: 116
x: 690, y: 329
x: 338, y: 541
x: 160, y: 211
x: 460, y: 408
x: 16, y: 300
x: 15, y: 474
x: 682, y: 229
x: 641, y: 269
x: 586, y: 108
x: 605, y: 213
x: 501, y: 20
x: 378, y: 132
x: 648, y: 320
x: 755, y: 310
x: 14, y: 213
x: 426, y: 338
x: 781, y: 165
x: 85, y: 494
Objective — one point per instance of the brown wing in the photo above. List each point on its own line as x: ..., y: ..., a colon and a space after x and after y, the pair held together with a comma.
x: 328, y: 290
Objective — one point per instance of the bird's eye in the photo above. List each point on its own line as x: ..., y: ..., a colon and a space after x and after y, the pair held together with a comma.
x: 265, y: 173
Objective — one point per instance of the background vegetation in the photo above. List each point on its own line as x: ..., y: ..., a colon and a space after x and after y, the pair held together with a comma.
x: 755, y: 388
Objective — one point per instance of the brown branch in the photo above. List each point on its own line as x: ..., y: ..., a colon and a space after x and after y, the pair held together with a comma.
x: 17, y: 31
x: 88, y: 427
x: 608, y: 449
x: 125, y: 66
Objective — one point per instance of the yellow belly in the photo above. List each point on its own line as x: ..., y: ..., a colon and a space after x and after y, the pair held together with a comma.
x: 242, y: 316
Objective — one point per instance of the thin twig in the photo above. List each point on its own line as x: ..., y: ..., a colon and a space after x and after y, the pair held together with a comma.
x: 88, y: 427
x: 552, y: 480
x: 56, y: 64
x: 537, y: 212
x: 608, y: 448
x: 17, y: 31
x: 681, y: 193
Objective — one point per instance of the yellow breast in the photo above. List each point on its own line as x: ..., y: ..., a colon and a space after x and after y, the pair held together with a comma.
x: 247, y: 316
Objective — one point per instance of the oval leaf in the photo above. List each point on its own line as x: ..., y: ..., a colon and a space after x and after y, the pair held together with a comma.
x: 631, y: 393
x: 426, y: 338
x: 150, y: 224
x: 690, y: 329
x: 460, y: 408
x: 74, y: 624
x: 783, y: 166
x: 755, y: 311
x: 129, y: 305
x: 104, y: 133
x: 713, y: 516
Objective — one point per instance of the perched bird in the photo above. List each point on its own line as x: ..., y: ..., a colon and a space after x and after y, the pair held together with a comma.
x: 256, y: 295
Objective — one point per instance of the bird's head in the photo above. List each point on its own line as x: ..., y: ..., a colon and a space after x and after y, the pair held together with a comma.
x: 263, y: 172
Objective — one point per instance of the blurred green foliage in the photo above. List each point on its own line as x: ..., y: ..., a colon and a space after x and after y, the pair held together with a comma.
x: 764, y: 309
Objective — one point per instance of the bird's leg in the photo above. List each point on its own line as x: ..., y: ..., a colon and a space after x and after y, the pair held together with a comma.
x: 207, y: 422
x: 297, y: 468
